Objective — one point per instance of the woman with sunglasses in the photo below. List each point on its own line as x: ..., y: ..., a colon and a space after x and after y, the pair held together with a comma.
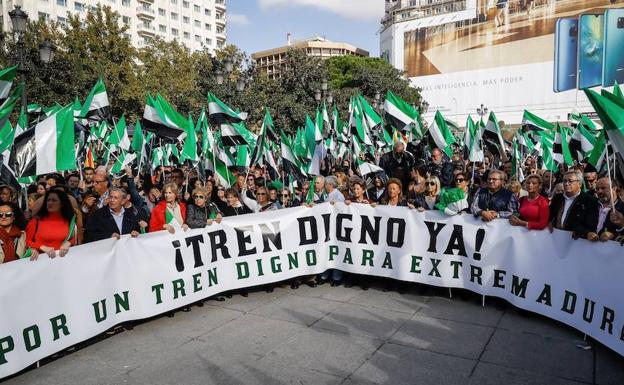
x: 201, y: 211
x: 462, y: 182
x: 262, y: 202
x: 54, y: 227
x: 286, y: 200
x: 13, y: 239
x: 431, y: 196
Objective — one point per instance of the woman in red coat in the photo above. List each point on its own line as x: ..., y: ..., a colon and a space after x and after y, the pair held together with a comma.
x: 533, y: 212
x: 54, y: 228
x: 170, y: 212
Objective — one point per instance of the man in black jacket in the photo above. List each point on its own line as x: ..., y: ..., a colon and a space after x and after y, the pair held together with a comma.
x: 441, y: 168
x: 574, y: 210
x: 398, y: 163
x: 611, y: 211
x: 113, y: 220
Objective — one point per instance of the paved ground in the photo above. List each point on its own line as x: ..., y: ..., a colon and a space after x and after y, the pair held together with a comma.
x: 339, y: 335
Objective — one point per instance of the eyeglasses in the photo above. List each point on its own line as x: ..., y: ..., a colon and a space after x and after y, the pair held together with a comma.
x: 199, y: 196
x: 431, y: 183
x: 570, y: 181
x: 285, y: 195
x: 6, y: 215
x: 460, y: 180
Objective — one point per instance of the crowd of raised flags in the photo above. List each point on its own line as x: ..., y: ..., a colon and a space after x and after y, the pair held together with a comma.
x: 61, y: 138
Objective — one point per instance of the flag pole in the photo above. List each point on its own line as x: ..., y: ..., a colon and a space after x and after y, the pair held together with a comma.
x: 609, y: 175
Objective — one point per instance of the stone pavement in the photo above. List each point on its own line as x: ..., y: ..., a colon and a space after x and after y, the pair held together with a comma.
x: 338, y: 335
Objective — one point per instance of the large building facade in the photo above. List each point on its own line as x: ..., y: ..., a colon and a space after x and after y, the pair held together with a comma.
x: 273, y: 61
x: 198, y: 24
x: 464, y: 53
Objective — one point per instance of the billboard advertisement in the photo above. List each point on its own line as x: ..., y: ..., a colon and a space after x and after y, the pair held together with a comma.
x: 508, y: 55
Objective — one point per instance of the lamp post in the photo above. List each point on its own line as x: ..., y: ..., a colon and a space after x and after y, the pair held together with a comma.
x: 224, y: 77
x: 19, y: 21
x: 482, y: 111
x: 324, y: 93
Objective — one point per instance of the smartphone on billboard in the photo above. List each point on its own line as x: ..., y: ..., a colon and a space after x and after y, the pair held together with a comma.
x: 590, y: 50
x: 566, y: 49
x: 613, y: 53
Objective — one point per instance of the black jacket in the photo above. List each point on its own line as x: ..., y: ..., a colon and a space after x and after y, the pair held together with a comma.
x: 444, y: 172
x: 101, y: 224
x: 398, y: 166
x: 582, y: 215
x: 610, y: 226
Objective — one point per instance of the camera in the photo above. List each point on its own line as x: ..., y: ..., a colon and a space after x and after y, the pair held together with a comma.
x: 574, y: 31
x: 620, y: 22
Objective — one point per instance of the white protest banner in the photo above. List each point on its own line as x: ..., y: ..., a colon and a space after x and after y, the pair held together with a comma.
x: 51, y: 304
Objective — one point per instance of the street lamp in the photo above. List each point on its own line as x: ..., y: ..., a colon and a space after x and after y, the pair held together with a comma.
x: 19, y: 21
x: 482, y: 111
x: 223, y: 77
x: 46, y: 51
x: 323, y: 93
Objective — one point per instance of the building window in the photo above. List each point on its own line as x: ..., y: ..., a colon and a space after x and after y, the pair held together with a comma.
x: 162, y: 12
x: 61, y: 20
x: 208, y: 27
x: 186, y: 4
x: 44, y: 16
x: 78, y: 6
x: 174, y: 32
x: 198, y: 38
x: 62, y: 3
x: 174, y: 16
x: 197, y: 23
x: 126, y: 36
x: 186, y: 19
x: 125, y: 3
x: 174, y: 1
x: 208, y: 41
x: 162, y: 28
x: 207, y: 12
x: 187, y: 35
x: 196, y: 8
x: 126, y: 20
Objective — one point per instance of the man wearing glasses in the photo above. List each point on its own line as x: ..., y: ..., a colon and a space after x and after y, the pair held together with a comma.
x: 574, y: 210
x: 495, y: 201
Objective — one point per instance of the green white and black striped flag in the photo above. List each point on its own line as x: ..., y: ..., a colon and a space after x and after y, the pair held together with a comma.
x: 399, y: 113
x: 47, y: 147
x: 441, y: 134
x: 163, y: 120
x: 220, y: 113
x: 96, y: 106
x: 472, y: 141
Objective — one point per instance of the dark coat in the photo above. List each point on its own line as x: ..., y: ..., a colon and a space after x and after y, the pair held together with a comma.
x: 101, y: 224
x: 582, y: 215
x: 610, y: 226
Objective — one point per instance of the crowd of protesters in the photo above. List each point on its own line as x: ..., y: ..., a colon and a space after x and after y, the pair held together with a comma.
x: 66, y: 210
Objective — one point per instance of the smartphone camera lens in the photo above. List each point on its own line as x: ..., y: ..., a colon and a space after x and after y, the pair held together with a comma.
x: 573, y: 32
x: 620, y: 22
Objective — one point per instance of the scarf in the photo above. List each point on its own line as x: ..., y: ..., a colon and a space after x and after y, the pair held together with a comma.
x: 9, y: 242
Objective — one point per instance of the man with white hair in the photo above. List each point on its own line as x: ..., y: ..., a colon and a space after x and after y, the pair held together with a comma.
x: 331, y: 187
x: 574, y: 210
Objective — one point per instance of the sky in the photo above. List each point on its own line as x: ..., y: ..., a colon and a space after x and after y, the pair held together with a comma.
x: 256, y: 25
